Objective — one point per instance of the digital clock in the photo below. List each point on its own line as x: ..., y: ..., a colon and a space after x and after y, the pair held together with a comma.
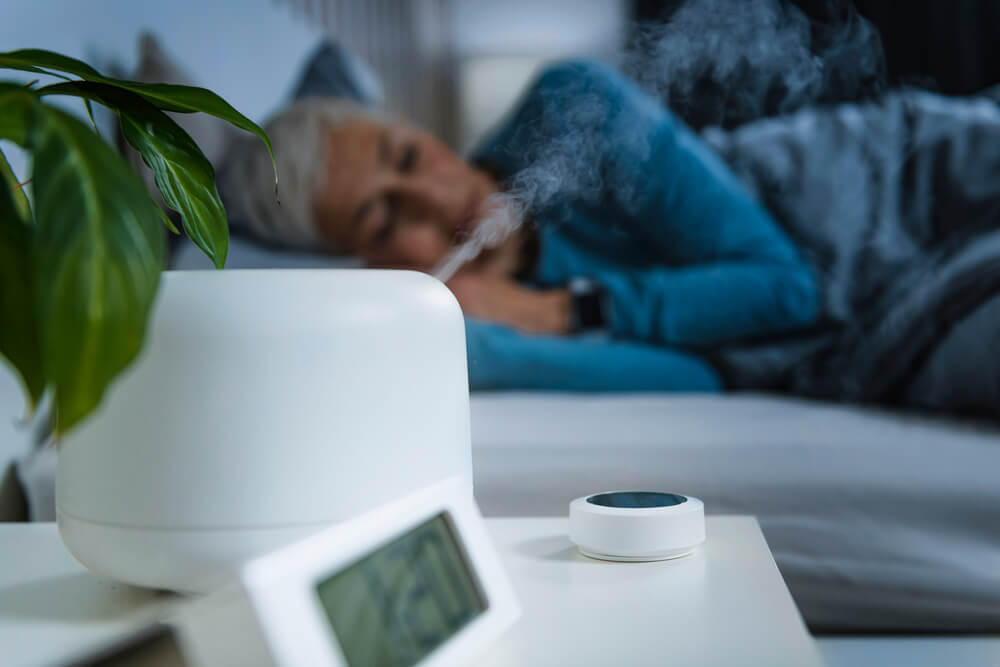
x: 400, y: 603
x: 414, y: 582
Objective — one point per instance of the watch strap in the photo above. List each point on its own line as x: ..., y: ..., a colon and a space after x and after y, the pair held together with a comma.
x: 587, y: 305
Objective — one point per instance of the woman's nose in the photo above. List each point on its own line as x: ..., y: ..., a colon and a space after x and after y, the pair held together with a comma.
x: 426, y: 196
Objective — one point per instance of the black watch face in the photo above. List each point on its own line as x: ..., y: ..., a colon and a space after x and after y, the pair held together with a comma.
x: 588, y: 309
x: 636, y: 499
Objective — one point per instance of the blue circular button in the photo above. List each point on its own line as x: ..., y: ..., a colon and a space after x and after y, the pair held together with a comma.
x: 636, y: 499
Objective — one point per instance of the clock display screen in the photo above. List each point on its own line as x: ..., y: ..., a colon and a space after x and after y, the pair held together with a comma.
x: 399, y: 603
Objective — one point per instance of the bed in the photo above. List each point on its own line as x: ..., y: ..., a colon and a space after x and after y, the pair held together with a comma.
x: 878, y: 522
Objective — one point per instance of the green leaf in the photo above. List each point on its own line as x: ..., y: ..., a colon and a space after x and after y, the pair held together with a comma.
x: 33, y: 60
x: 90, y: 115
x: 190, y: 99
x: 99, y: 255
x: 19, y: 197
x: 167, y: 222
x: 169, y: 97
x: 18, y: 103
x: 183, y: 174
x: 19, y: 341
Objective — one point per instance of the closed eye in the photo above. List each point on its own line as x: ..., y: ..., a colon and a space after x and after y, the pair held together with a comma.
x: 408, y: 160
x: 387, y: 225
x: 385, y: 230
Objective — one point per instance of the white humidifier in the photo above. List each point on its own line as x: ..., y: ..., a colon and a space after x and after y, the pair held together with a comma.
x: 265, y: 406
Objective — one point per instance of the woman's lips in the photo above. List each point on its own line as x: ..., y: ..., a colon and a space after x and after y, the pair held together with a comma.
x: 469, y: 220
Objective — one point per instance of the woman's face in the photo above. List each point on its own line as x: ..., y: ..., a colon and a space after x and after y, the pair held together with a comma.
x: 396, y: 196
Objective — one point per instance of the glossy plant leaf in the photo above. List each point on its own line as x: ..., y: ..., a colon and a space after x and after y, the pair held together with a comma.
x: 34, y: 60
x: 18, y: 104
x: 99, y: 251
x: 183, y: 174
x: 169, y: 97
x: 90, y: 115
x: 40, y: 60
x: 19, y: 341
x: 85, y: 263
x: 191, y: 99
x: 167, y: 222
x: 17, y: 193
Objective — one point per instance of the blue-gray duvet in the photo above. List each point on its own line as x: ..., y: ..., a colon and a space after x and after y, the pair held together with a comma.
x: 897, y: 204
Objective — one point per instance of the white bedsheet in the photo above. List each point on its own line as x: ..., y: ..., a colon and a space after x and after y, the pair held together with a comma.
x: 877, y: 521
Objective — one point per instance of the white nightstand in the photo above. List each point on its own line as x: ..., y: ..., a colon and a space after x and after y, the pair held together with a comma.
x: 724, y: 605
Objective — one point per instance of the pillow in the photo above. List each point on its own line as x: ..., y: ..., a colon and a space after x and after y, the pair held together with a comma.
x: 333, y: 72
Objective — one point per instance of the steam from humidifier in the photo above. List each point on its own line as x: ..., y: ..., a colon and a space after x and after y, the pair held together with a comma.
x: 504, y: 216
x: 769, y: 55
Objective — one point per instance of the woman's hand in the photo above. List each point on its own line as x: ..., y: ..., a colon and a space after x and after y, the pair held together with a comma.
x: 502, y: 300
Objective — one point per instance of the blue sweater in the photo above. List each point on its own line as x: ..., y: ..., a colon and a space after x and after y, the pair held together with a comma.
x: 688, y: 260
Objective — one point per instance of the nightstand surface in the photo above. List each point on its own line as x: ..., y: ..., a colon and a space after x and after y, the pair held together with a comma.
x: 726, y: 604
x: 51, y: 607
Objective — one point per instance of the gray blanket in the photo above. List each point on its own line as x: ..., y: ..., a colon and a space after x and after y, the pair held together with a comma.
x: 897, y: 204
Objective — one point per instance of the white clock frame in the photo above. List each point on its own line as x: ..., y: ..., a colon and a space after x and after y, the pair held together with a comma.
x: 277, y: 593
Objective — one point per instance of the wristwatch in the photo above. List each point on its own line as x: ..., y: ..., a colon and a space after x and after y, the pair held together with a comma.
x: 587, y: 305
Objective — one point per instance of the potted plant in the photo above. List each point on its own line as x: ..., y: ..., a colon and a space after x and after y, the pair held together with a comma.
x: 80, y: 259
x: 266, y: 405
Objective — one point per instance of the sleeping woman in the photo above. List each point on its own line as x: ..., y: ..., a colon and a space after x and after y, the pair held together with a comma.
x: 645, y: 263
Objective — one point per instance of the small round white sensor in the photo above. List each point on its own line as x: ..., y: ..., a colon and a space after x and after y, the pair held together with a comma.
x: 636, y: 525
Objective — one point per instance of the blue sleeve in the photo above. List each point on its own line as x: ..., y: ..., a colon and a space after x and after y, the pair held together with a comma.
x: 734, y: 273
x: 501, y: 358
x: 708, y: 304
x: 727, y: 270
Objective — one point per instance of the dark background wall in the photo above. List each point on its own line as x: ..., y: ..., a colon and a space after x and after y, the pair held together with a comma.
x: 952, y: 46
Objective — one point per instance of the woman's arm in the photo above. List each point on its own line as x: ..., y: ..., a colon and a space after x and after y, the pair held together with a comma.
x: 708, y: 304
x: 736, y: 275
x: 733, y: 271
x: 502, y: 358
x: 504, y: 301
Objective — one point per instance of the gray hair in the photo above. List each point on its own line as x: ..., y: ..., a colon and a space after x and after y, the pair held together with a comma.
x: 246, y: 177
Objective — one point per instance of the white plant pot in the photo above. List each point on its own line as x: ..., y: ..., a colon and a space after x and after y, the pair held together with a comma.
x: 265, y: 406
